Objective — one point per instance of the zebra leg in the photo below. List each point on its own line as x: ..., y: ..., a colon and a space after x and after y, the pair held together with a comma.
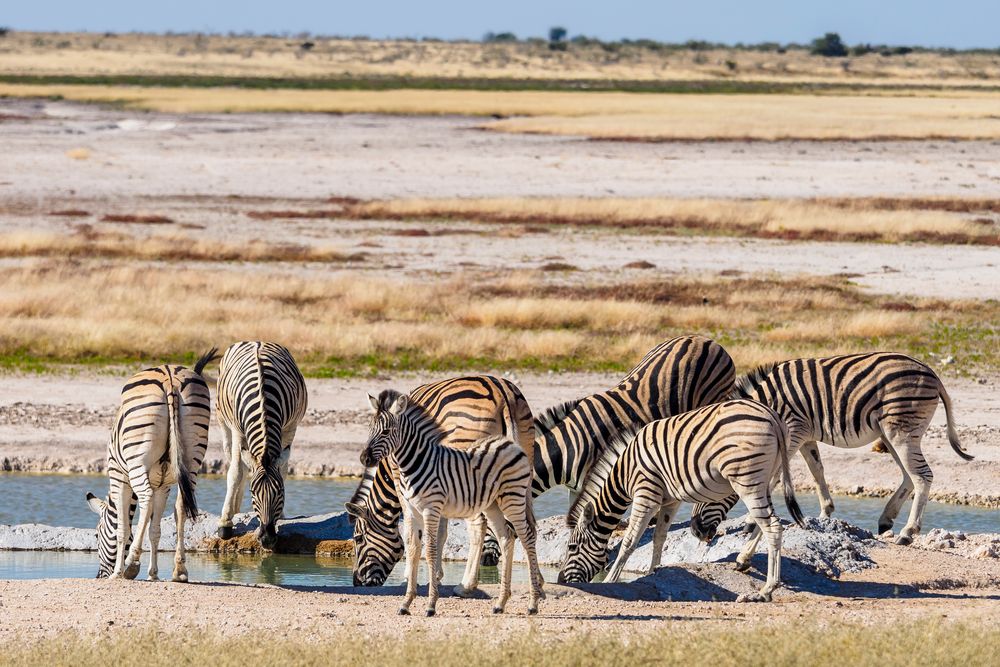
x: 528, y: 534
x: 891, y: 511
x: 908, y: 449
x: 442, y: 539
x: 664, y: 518
x: 159, y: 502
x: 412, y: 532
x: 432, y: 522
x: 476, y: 528
x: 770, y: 525
x: 123, y: 500
x: 810, y: 452
x: 130, y: 568
x: 506, y: 538
x: 234, y: 481
x: 643, y: 509
x: 180, y: 572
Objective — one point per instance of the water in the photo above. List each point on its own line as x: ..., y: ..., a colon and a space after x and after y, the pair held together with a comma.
x: 277, y: 569
x: 60, y: 500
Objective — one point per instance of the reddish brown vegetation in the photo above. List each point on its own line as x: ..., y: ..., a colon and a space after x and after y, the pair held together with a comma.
x: 130, y: 218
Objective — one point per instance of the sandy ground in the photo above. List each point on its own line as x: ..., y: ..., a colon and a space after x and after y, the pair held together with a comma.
x: 300, y: 155
x: 60, y: 424
x: 921, y: 584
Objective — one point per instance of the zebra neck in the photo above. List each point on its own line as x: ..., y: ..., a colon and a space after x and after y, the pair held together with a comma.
x: 612, y: 503
x: 419, y: 444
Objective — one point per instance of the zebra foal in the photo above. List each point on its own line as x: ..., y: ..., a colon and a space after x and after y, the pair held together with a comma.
x: 261, y: 400
x: 736, y: 447
x: 159, y: 438
x: 491, y: 478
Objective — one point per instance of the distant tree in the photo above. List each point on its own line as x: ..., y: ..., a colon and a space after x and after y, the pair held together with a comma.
x: 4, y: 30
x: 307, y: 46
x: 862, y: 49
x: 499, y: 37
x: 557, y: 34
x: 829, y: 45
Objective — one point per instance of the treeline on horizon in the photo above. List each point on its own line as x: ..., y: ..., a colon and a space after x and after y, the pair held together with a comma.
x: 829, y: 45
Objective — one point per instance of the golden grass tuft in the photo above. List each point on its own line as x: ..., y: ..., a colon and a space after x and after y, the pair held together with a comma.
x: 78, y: 154
x: 783, y: 219
x: 88, y: 243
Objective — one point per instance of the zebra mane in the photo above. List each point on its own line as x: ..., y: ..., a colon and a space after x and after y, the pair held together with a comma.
x: 598, y: 474
x: 415, y: 413
x: 553, y: 416
x: 746, y: 383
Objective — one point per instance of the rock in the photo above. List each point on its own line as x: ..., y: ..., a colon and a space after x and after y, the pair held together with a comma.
x: 987, y: 551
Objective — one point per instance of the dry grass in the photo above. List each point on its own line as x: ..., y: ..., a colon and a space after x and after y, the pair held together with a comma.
x: 217, y: 55
x: 605, y: 115
x: 69, y: 311
x: 87, y: 243
x: 857, y: 219
x: 711, y: 645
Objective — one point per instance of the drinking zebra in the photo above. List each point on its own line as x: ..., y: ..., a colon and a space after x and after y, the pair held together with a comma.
x: 467, y: 409
x: 675, y: 376
x: 261, y: 400
x: 706, y: 455
x: 159, y: 438
x: 851, y: 401
x: 491, y: 478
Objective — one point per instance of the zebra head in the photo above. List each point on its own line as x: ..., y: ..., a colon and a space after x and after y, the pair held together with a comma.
x: 267, y: 489
x: 107, y: 532
x: 586, y: 555
x: 378, y: 545
x: 383, y: 435
x: 706, y: 517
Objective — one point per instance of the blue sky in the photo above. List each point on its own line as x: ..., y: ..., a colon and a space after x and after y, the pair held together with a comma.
x: 955, y: 23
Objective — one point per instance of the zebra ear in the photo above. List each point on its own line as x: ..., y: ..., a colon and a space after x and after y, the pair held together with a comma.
x: 374, y: 402
x: 357, y: 510
x: 398, y: 405
x: 96, y: 504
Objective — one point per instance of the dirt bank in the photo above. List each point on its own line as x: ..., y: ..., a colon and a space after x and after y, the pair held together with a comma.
x: 60, y: 424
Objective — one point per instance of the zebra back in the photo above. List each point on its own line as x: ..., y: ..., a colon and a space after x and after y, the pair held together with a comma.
x: 261, y: 393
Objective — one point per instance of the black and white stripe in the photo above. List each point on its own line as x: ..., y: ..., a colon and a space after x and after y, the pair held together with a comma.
x: 851, y: 401
x: 159, y: 438
x: 675, y: 376
x: 261, y: 400
x: 489, y: 481
x: 467, y: 409
x: 705, y: 455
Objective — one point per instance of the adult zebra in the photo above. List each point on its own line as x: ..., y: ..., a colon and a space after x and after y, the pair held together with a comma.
x: 487, y: 481
x: 705, y: 455
x: 261, y: 400
x: 851, y: 401
x: 159, y: 438
x: 468, y: 410
x: 675, y: 376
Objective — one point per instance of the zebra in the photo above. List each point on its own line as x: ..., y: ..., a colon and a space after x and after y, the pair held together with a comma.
x: 467, y: 409
x: 261, y: 400
x: 675, y: 376
x: 851, y: 401
x: 159, y: 437
x: 491, y: 478
x: 705, y: 455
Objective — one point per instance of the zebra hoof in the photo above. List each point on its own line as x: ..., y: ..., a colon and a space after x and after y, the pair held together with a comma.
x: 904, y: 540
x: 131, y: 572
x: 754, y: 597
x: 403, y: 611
x: 461, y: 591
x: 180, y: 578
x: 747, y: 529
x: 497, y: 610
x: 532, y: 611
x: 226, y: 532
x: 742, y: 567
x: 884, y: 527
x: 430, y: 612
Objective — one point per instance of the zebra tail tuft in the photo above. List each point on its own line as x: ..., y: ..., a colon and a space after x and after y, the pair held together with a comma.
x: 185, y: 483
x: 789, y: 491
x: 952, y: 433
x: 206, y: 359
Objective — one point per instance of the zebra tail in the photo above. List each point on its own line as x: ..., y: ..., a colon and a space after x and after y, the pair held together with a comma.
x: 185, y: 483
x: 786, y: 484
x: 205, y: 360
x: 952, y: 433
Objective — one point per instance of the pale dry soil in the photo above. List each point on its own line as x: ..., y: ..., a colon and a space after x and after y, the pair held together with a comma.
x: 60, y: 423
x: 909, y: 584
